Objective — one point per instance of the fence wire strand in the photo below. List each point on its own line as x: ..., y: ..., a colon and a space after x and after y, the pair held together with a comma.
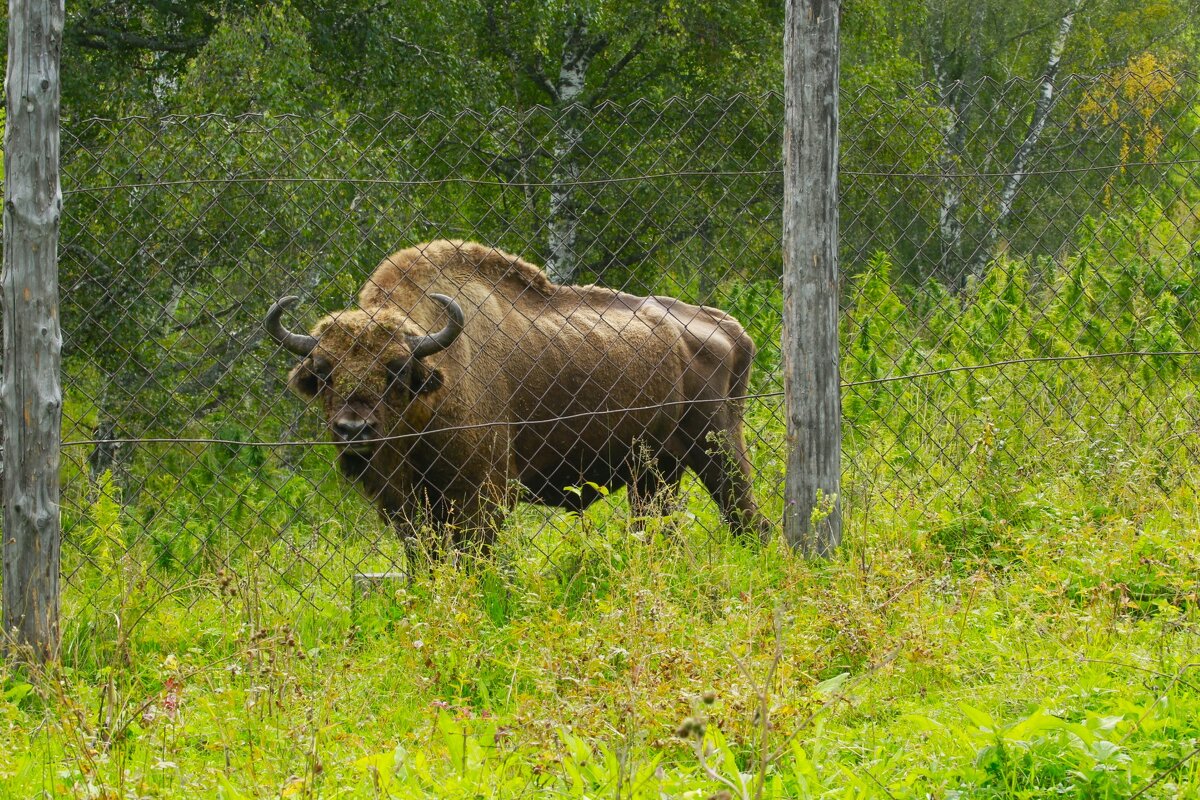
x: 631, y: 409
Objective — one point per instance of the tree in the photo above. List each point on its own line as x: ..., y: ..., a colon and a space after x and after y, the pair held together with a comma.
x: 971, y: 50
x: 569, y: 56
x: 125, y: 57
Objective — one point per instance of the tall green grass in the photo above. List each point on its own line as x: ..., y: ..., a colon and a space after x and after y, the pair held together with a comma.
x: 1013, y: 613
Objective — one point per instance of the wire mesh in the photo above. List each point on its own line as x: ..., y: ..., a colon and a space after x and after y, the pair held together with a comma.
x: 1009, y: 297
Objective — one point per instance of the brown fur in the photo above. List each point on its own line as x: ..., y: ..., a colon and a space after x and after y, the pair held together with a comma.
x: 531, y: 351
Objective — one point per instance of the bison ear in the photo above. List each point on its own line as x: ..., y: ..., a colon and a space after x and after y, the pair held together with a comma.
x: 304, y: 381
x: 425, y: 379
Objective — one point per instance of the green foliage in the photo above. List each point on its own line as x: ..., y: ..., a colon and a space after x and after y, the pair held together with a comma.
x: 259, y: 63
x: 1026, y: 629
x: 1014, y: 613
x: 1062, y: 670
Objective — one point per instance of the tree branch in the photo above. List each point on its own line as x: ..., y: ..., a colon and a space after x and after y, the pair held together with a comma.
x: 102, y: 38
x: 533, y: 70
x: 618, y: 67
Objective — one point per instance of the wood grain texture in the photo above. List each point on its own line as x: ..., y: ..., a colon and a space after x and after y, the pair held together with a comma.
x: 810, y: 278
x: 32, y: 395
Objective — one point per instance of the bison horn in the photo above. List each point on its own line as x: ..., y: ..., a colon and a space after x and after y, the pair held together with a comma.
x: 299, y: 343
x: 436, y: 342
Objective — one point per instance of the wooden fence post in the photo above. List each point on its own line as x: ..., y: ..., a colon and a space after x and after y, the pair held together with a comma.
x: 812, y: 518
x: 32, y: 396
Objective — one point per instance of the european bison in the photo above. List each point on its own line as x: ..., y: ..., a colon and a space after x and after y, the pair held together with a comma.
x: 490, y: 378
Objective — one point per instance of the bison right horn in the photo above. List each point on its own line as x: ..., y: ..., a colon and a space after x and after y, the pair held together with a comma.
x: 299, y: 343
x: 436, y: 342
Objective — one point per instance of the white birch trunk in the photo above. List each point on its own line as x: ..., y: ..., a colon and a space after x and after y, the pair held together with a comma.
x: 1037, y: 124
x: 562, y: 263
x: 950, y: 226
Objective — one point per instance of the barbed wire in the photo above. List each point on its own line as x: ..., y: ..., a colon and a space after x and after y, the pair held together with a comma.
x: 1029, y: 360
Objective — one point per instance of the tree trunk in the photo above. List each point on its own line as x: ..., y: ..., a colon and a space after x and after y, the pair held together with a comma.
x: 957, y: 78
x: 812, y: 518
x: 954, y: 135
x: 32, y: 396
x: 103, y: 456
x: 1020, y: 160
x: 562, y: 263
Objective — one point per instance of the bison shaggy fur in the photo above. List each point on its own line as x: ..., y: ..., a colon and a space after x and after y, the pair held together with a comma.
x: 465, y: 380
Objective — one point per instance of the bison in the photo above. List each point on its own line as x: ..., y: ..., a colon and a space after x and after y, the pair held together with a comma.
x: 465, y: 380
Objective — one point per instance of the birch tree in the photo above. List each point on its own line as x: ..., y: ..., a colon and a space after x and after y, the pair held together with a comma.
x: 574, y: 55
x: 970, y: 51
x: 1020, y: 161
x: 577, y: 36
x: 564, y: 90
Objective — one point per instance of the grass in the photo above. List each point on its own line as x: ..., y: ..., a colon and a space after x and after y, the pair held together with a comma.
x: 1013, y: 612
x: 1028, y: 630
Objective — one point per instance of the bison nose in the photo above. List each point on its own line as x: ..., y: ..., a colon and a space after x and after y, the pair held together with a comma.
x: 350, y: 429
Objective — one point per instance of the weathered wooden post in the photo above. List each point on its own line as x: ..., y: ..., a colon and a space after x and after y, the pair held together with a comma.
x: 32, y: 396
x: 812, y: 517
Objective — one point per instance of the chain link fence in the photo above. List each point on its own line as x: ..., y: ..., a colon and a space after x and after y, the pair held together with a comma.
x: 1016, y: 295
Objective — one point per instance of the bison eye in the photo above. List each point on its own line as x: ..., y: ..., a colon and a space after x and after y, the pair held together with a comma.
x: 411, y: 375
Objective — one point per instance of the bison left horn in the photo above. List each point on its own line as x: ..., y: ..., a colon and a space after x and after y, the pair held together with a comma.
x: 429, y: 344
x: 299, y: 343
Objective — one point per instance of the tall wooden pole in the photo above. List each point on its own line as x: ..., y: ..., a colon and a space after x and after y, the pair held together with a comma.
x: 812, y: 512
x: 31, y: 395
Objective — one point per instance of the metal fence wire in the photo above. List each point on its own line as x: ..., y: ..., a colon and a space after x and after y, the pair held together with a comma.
x: 1015, y: 292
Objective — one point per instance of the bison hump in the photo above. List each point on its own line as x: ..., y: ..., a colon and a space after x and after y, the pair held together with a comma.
x: 457, y: 262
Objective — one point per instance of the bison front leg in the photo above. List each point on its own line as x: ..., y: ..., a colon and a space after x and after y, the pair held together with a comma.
x: 411, y: 529
x: 475, y: 529
x: 443, y: 526
x: 468, y: 471
x: 474, y: 507
x: 471, y: 521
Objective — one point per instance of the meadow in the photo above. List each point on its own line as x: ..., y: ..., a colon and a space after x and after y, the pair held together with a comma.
x: 1013, y: 613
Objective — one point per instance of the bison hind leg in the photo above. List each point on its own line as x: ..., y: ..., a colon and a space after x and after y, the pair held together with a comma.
x: 723, y: 466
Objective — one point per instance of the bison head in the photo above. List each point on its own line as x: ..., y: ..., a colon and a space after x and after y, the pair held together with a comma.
x: 365, y: 368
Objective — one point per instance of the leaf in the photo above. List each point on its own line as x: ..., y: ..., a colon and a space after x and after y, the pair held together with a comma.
x: 293, y: 787
x: 379, y: 766
x: 454, y: 737
x: 854, y: 780
x: 227, y: 790
x: 1106, y: 752
x: 977, y: 718
x: 1105, y: 723
x: 17, y: 692
x: 923, y: 723
x: 801, y: 764
x: 831, y: 685
x: 646, y: 772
